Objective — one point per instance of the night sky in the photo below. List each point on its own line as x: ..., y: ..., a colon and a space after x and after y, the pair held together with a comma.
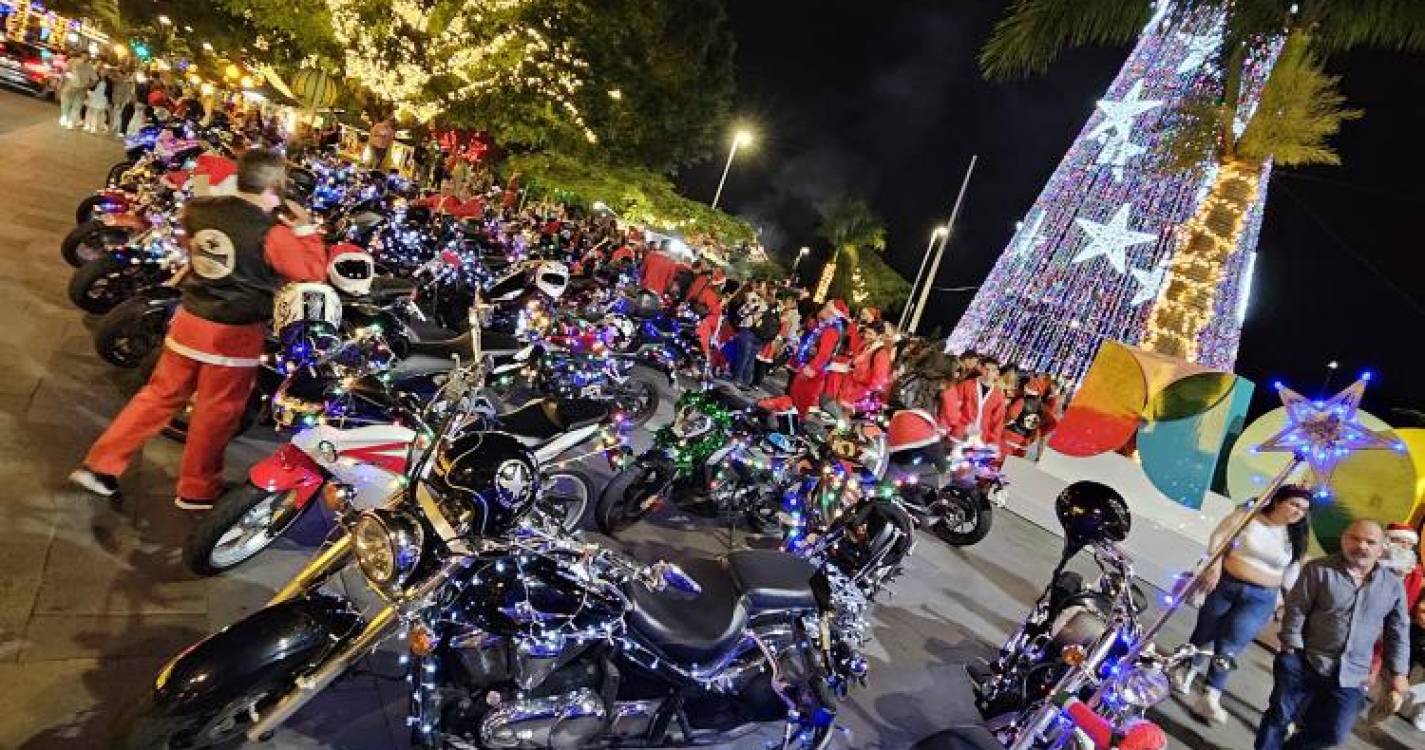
x: 884, y: 101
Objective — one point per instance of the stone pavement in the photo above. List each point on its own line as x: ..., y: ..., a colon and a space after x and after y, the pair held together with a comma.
x: 94, y: 597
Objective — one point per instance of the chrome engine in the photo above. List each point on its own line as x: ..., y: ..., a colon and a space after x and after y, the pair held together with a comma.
x: 562, y: 722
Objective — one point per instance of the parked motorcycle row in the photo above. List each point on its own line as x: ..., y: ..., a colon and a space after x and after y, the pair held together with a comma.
x: 444, y: 400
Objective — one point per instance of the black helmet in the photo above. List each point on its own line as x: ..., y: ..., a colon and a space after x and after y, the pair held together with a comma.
x: 482, y: 482
x: 1091, y: 513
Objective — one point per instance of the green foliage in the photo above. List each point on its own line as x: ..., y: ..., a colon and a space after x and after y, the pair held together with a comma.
x: 858, y: 235
x: 106, y: 14
x: 669, y: 64
x: 1032, y: 33
x: 1300, y: 108
x: 634, y: 193
x: 291, y: 30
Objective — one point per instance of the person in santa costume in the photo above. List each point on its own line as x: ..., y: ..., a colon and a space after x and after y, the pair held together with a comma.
x: 1028, y: 418
x: 815, y: 354
x: 864, y: 388
x: 981, y: 405
x: 241, y: 254
x: 1402, y: 556
x: 852, y: 344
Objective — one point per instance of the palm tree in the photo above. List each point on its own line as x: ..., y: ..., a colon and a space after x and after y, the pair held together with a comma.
x: 1296, y: 112
x: 851, y: 227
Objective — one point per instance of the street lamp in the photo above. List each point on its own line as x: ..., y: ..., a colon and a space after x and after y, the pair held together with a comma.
x: 165, y: 21
x: 740, y: 138
x: 939, y: 232
x: 800, y: 254
x: 940, y: 250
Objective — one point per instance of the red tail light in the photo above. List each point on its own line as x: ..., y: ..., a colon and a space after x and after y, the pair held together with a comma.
x: 37, y: 67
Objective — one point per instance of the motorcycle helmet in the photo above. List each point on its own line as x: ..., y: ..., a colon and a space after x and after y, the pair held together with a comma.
x: 301, y: 181
x: 481, y: 483
x: 306, y: 302
x: 351, y: 269
x: 552, y: 278
x: 1091, y: 513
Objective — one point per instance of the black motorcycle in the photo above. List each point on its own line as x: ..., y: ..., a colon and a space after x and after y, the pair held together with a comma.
x: 955, y: 493
x: 543, y: 370
x: 518, y: 636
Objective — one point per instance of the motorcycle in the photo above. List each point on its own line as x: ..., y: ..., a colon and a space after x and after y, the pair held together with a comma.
x: 955, y: 493
x: 518, y: 636
x: 681, y: 461
x: 149, y: 259
x: 543, y: 370
x: 1061, y: 678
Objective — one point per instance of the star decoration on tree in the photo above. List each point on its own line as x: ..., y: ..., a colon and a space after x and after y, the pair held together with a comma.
x: 1321, y: 433
x: 1118, y: 115
x: 1026, y: 238
x: 1149, y: 281
x: 1111, y: 239
x: 1116, y: 152
x: 1199, y: 48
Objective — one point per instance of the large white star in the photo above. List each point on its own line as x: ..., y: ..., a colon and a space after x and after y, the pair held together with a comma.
x: 1118, y: 115
x: 1149, y: 281
x: 1199, y: 48
x: 1111, y: 239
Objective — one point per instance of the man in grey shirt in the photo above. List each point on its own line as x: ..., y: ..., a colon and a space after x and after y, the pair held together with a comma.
x: 1340, y: 607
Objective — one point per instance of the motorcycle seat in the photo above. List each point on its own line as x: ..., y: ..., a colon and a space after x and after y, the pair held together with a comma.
x: 461, y: 346
x: 388, y: 288
x: 690, y: 629
x: 543, y: 419
x: 772, y: 580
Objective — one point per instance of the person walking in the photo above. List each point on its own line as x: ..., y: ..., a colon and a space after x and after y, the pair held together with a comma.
x: 241, y: 254
x: 749, y: 316
x: 1341, y: 604
x: 120, y: 97
x: 79, y: 76
x: 1243, y: 588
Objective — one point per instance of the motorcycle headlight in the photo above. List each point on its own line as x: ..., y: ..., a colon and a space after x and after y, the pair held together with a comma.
x: 387, y: 546
x: 1145, y: 687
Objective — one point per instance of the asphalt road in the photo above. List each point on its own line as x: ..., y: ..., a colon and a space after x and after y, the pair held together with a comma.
x: 94, y: 597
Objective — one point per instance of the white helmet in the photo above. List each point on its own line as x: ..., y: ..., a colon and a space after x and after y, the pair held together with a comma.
x: 306, y: 302
x: 552, y: 278
x: 351, y: 270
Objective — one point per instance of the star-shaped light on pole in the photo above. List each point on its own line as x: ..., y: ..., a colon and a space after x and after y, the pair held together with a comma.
x: 1111, y: 239
x: 1321, y: 433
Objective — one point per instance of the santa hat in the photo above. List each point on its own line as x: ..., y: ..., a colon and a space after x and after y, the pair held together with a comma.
x: 1402, y: 532
x: 214, y: 175
x: 839, y: 305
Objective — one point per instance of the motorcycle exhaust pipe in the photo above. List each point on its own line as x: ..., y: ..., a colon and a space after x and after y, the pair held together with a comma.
x: 335, y: 665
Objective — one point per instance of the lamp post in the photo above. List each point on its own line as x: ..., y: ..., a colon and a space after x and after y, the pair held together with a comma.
x: 910, y: 301
x: 940, y: 251
x: 800, y: 254
x: 738, y: 139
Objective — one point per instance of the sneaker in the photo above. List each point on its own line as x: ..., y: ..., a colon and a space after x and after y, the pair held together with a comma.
x: 1183, y: 678
x: 189, y: 503
x: 1208, y: 707
x: 1419, y: 721
x: 103, y: 485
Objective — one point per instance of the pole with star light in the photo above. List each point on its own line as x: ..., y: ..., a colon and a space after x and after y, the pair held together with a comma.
x: 1318, y: 435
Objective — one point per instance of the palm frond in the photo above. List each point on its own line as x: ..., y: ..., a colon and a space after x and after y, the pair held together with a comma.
x: 1301, y: 107
x: 850, y: 223
x: 1337, y: 25
x: 1033, y: 32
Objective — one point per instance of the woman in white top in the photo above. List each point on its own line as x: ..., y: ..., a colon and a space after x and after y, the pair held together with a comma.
x: 1243, y: 589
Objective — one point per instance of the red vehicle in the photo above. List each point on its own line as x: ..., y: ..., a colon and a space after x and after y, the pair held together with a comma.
x: 26, y: 66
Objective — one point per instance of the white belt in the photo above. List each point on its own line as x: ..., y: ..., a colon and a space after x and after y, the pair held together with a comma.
x: 209, y: 359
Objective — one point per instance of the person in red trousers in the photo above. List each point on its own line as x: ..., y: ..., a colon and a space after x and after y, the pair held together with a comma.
x: 240, y: 254
x: 809, y: 378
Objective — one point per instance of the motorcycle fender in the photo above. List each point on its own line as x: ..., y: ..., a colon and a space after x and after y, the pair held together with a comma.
x: 288, y: 469
x: 271, y: 646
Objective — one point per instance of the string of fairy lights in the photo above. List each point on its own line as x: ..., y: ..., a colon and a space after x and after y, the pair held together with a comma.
x: 1095, y: 255
x: 425, y: 62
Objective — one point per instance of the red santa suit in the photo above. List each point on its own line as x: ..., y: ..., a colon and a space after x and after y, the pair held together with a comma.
x: 240, y: 256
x: 865, y: 386
x: 838, y: 373
x: 658, y: 270
x: 809, y: 381
x: 965, y: 414
x: 708, y: 326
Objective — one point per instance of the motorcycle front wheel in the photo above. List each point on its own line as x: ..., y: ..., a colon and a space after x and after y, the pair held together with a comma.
x: 116, y: 173
x: 241, y: 524
x: 624, y: 500
x: 637, y: 399
x: 146, y: 726
x: 89, y: 240
x: 965, y: 520
x: 101, y: 284
x: 127, y: 334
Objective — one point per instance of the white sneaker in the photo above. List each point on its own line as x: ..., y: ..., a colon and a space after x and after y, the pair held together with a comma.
x: 1183, y: 678
x: 1419, y: 721
x: 1208, y: 707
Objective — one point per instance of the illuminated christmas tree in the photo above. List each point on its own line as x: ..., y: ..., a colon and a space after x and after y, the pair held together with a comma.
x: 1090, y: 259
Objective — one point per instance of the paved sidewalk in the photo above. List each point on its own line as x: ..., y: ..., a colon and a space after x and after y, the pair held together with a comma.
x: 94, y: 597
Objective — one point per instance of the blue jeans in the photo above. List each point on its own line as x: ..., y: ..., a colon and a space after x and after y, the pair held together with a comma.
x: 747, y: 346
x: 1324, y: 711
x: 1230, y: 618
